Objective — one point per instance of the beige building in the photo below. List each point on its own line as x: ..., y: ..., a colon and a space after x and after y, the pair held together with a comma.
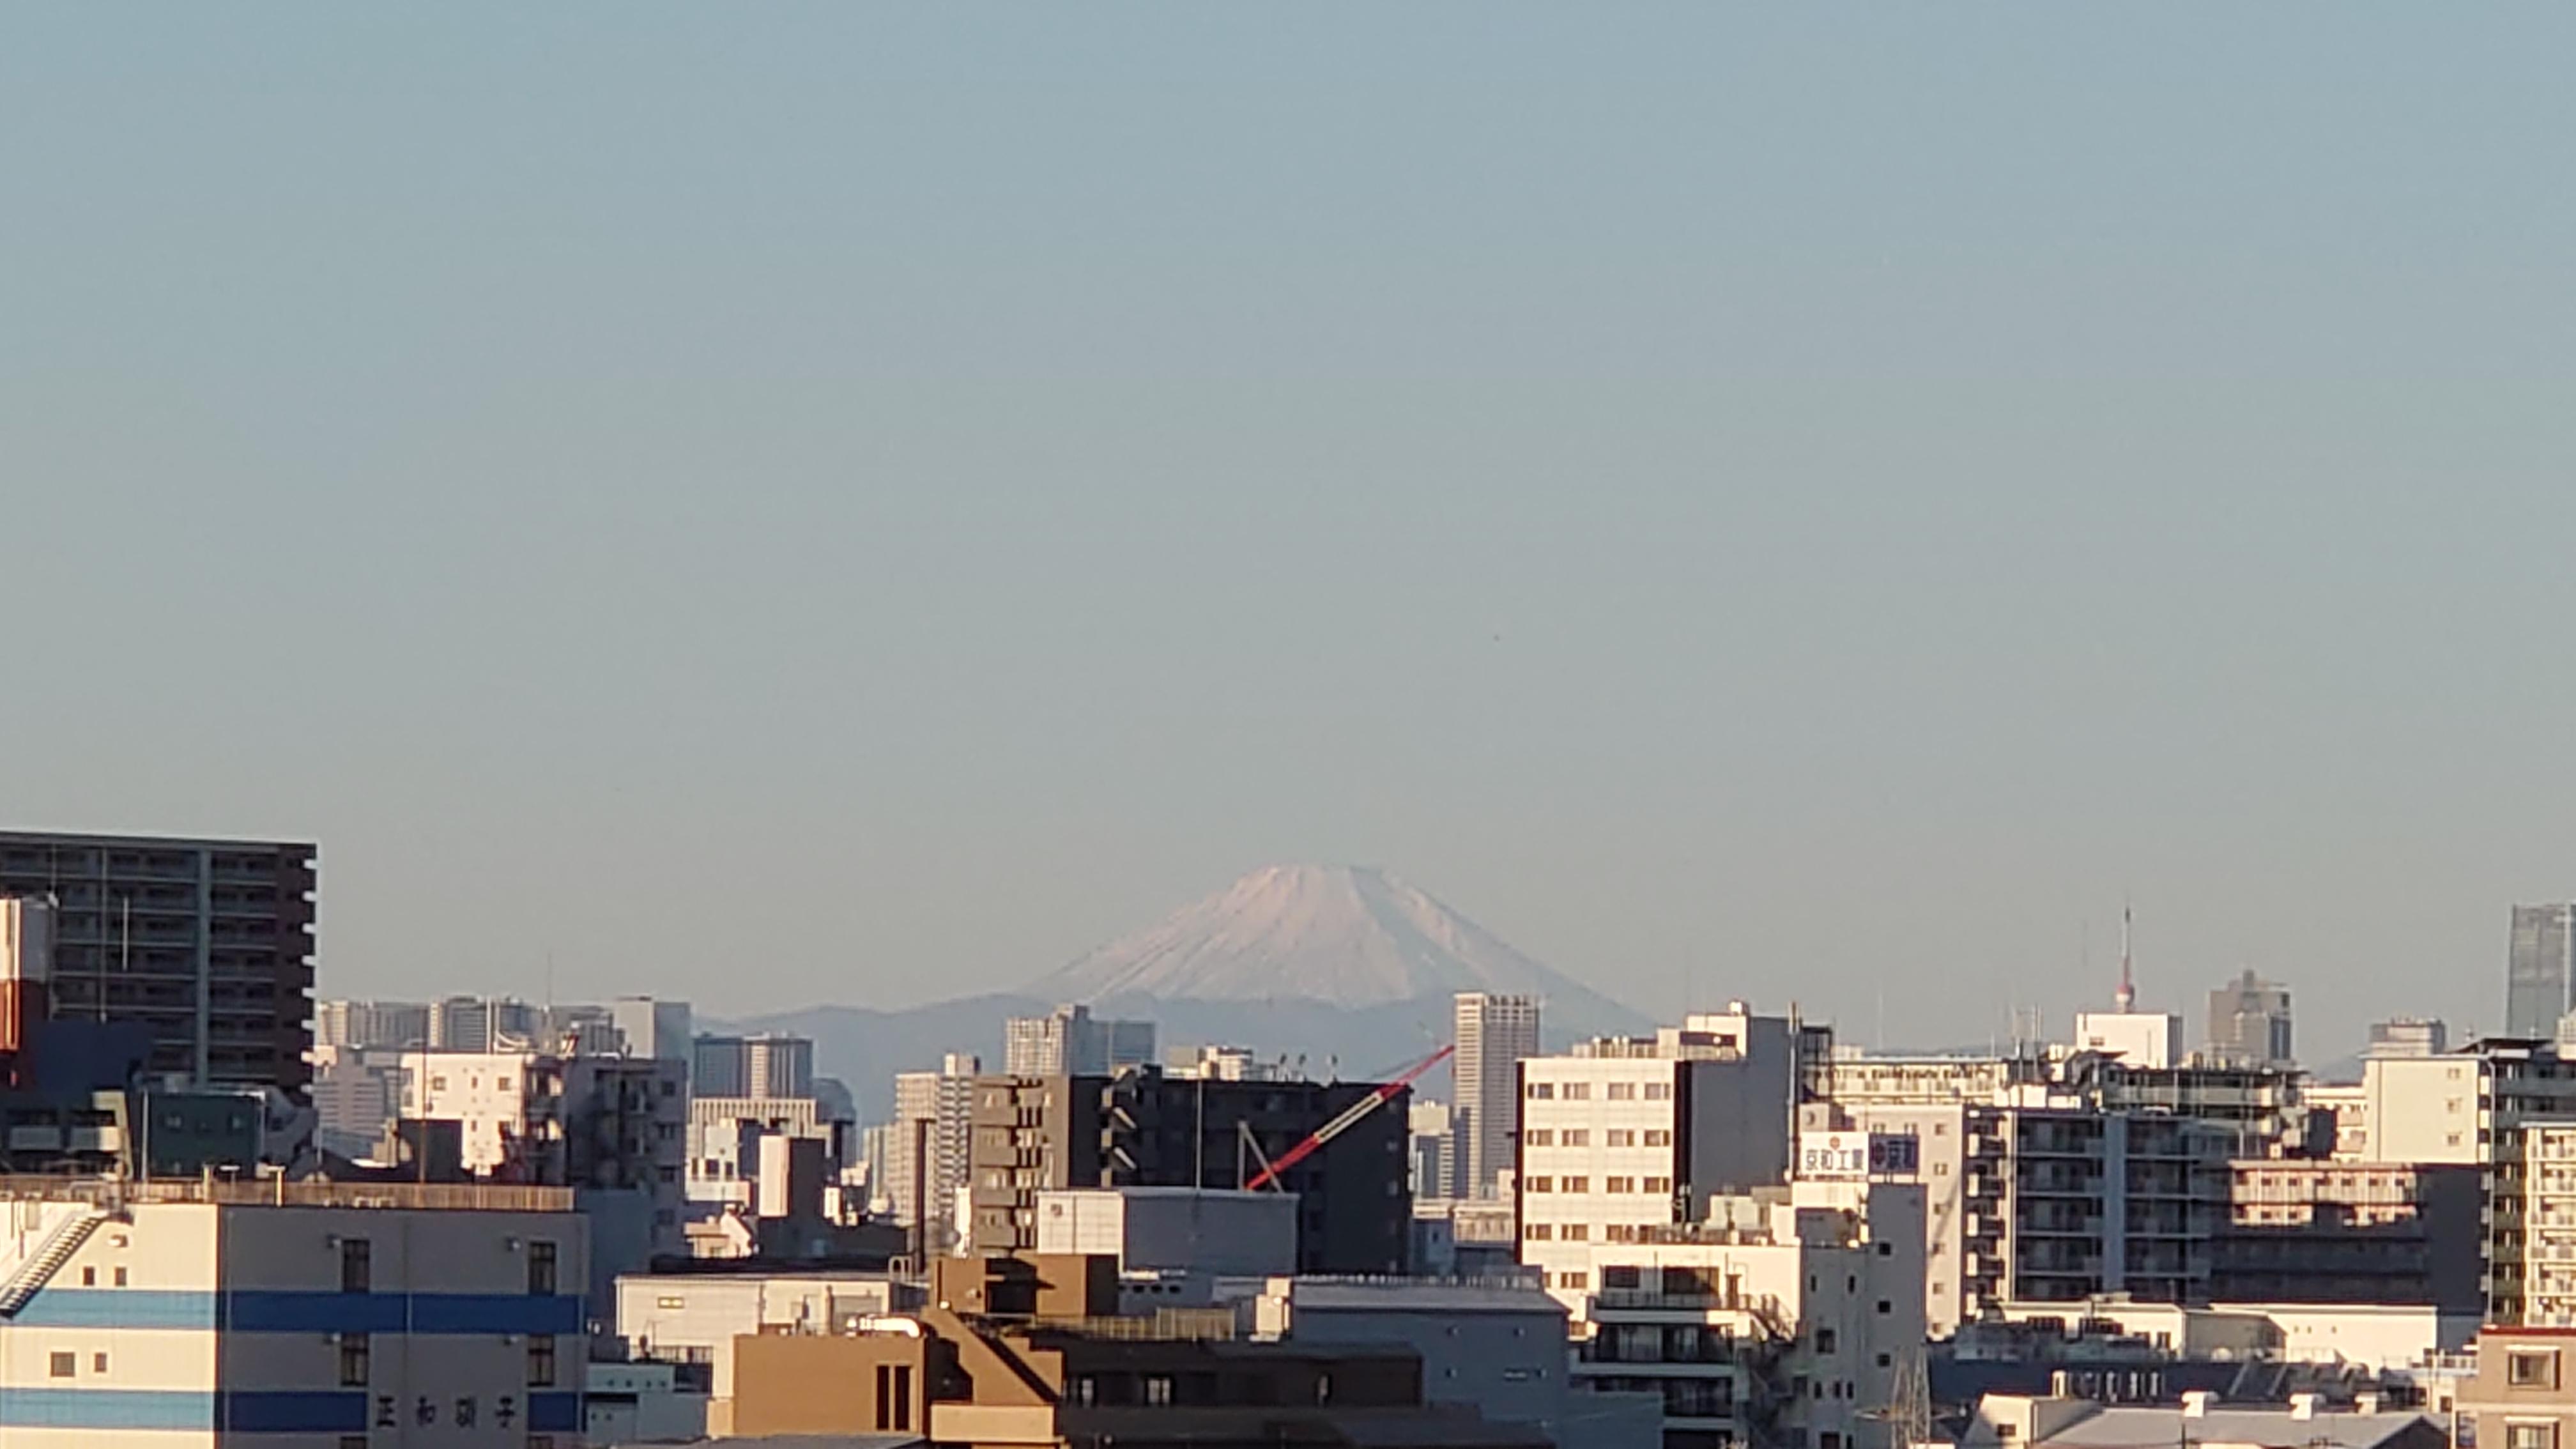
x: 2522, y: 1394
x: 2473, y: 1107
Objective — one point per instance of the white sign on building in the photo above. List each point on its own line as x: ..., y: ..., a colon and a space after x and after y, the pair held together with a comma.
x: 1858, y: 1155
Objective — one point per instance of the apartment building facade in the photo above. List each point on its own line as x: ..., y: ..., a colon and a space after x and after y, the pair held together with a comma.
x: 1784, y: 1317
x: 291, y: 1314
x: 207, y: 943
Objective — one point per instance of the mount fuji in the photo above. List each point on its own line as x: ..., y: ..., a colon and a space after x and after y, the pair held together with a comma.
x: 1351, y: 937
x: 1347, y: 969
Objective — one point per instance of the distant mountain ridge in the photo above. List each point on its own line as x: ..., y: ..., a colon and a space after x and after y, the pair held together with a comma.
x: 1346, y: 936
x: 1348, y: 969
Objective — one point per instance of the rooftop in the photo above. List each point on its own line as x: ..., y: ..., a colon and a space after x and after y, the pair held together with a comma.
x: 277, y: 1192
x: 2272, y: 1426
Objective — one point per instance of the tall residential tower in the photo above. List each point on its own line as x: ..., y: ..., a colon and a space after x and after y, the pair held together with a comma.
x: 1494, y: 1034
x: 2539, y: 970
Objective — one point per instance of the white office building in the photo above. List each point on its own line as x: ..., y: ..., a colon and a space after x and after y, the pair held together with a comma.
x: 1628, y: 1135
x: 1801, y: 1304
x: 179, y: 1314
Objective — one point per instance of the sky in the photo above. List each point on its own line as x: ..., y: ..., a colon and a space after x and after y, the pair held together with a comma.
x: 862, y: 503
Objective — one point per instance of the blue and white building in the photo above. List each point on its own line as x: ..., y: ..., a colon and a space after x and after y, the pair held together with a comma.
x: 294, y: 1315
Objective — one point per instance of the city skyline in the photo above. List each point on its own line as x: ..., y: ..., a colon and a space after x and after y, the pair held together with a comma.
x: 1670, y: 487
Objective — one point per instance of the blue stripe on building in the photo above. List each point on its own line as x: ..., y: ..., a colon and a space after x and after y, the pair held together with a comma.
x: 258, y: 1311
x: 554, y: 1413
x: 48, y: 1408
x: 249, y: 1412
x: 494, y: 1313
x: 320, y: 1411
x: 270, y: 1311
x: 117, y: 1308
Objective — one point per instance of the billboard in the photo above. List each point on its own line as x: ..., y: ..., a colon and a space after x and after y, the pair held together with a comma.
x: 1858, y: 1155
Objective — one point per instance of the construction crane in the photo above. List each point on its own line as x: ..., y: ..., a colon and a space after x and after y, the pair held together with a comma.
x: 1351, y: 1117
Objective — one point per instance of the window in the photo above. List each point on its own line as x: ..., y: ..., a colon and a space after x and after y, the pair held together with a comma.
x: 1577, y: 1137
x: 357, y: 1265
x: 670, y: 1303
x: 1538, y: 1184
x: 1618, y: 1184
x: 2531, y: 1368
x: 1825, y: 1339
x: 1158, y: 1391
x: 1538, y: 1137
x: 89, y: 1277
x: 2531, y: 1436
x: 98, y: 1363
x: 1576, y: 1279
x: 1537, y: 1233
x: 1620, y: 1137
x: 1885, y: 1307
x: 1657, y: 1184
x: 1578, y: 1092
x: 541, y: 1270
x: 1578, y: 1184
x: 120, y: 1277
x: 1620, y: 1091
x: 64, y: 1365
x: 353, y: 1360
x: 1659, y: 1091
x: 1659, y: 1137
x: 1577, y: 1233
x: 541, y: 1360
x: 1542, y: 1091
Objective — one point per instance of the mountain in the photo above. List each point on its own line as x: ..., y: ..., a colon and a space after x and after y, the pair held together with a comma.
x: 1344, y: 969
x: 1345, y: 936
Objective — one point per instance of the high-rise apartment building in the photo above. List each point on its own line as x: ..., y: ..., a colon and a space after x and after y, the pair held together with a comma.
x: 2249, y: 1023
x: 1070, y: 1040
x: 764, y: 1064
x: 207, y: 943
x: 1494, y: 1034
x: 2477, y: 1106
x: 363, y: 1024
x: 926, y: 1148
x: 2539, y: 971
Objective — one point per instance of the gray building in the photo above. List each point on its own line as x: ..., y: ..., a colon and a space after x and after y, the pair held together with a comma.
x: 207, y: 943
x: 763, y: 1064
x: 2409, y: 1036
x: 2249, y: 1023
x: 1144, y: 1129
x: 1070, y: 1039
x: 2539, y: 970
x: 1494, y: 1034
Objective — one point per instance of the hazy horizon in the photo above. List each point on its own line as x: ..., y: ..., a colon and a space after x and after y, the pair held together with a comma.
x: 866, y: 504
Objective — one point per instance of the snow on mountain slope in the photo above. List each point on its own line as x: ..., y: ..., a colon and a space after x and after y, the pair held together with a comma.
x: 1347, y: 936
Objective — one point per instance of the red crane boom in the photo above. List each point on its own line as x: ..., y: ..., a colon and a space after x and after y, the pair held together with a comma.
x: 1351, y: 1117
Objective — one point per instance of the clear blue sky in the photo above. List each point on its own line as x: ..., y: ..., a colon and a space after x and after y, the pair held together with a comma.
x: 862, y: 503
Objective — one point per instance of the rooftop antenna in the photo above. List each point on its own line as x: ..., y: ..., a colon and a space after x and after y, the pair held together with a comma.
x: 2127, y: 996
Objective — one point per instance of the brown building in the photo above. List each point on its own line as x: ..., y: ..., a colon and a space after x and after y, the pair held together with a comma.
x: 1143, y: 1129
x: 2303, y: 1231
x: 209, y: 943
x: 1020, y: 1352
x: 2523, y: 1393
